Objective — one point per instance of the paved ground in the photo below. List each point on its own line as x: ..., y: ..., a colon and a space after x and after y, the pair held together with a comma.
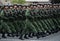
x: 53, y: 37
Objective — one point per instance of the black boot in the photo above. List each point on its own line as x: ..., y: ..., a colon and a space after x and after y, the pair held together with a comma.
x: 30, y: 35
x: 17, y: 34
x: 12, y: 35
x: 37, y: 35
x: 56, y: 31
x: 26, y: 36
x: 52, y: 31
x: 3, y: 35
x: 43, y: 34
x: 34, y: 34
x: 48, y: 32
x: 21, y: 37
x: 8, y: 35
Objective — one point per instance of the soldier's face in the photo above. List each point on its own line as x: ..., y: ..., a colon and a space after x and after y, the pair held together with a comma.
x: 50, y: 6
x: 38, y: 6
x: 24, y: 7
x: 27, y: 7
x: 15, y: 6
x: 54, y: 6
x: 31, y: 6
x: 41, y: 6
x: 19, y: 6
x: 34, y: 7
x: 11, y: 7
x: 45, y: 6
x: 6, y: 7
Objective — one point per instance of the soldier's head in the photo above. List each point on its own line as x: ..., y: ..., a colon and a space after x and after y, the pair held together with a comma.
x: 38, y: 5
x: 45, y: 6
x: 34, y: 6
x: 28, y: 7
x: 31, y: 6
x: 6, y: 7
x: 11, y: 7
x: 15, y: 6
x: 50, y: 6
x: 54, y: 6
x: 41, y: 6
x: 20, y: 6
x: 24, y: 7
x: 57, y: 6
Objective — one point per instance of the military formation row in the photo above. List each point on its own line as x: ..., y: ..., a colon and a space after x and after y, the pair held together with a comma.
x: 29, y: 21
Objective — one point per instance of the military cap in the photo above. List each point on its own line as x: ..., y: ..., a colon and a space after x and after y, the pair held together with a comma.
x: 38, y: 4
x: 19, y: 4
x: 34, y: 4
x: 15, y: 5
x: 11, y: 6
x: 5, y: 6
x: 31, y: 4
x: 24, y: 6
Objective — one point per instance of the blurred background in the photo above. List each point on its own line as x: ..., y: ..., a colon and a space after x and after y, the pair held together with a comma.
x: 9, y: 2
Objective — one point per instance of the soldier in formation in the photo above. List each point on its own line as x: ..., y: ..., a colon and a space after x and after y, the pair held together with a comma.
x: 28, y: 21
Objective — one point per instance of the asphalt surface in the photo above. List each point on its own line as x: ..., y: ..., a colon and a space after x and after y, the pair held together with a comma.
x: 52, y: 37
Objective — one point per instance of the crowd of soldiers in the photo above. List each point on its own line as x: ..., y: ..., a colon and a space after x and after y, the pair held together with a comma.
x: 28, y: 21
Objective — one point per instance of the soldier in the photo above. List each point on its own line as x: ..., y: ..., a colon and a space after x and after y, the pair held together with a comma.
x: 36, y: 21
x: 5, y: 27
x: 56, y: 22
x: 32, y: 18
x: 51, y: 11
x: 27, y: 15
x: 41, y: 33
x: 47, y: 16
x: 45, y: 30
x: 11, y: 19
x: 19, y: 20
x: 14, y: 23
x: 59, y: 10
x: 23, y: 23
x: 0, y: 17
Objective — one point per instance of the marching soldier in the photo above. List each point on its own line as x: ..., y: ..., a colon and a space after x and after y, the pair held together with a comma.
x: 11, y: 19
x: 5, y: 27
x: 23, y: 23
